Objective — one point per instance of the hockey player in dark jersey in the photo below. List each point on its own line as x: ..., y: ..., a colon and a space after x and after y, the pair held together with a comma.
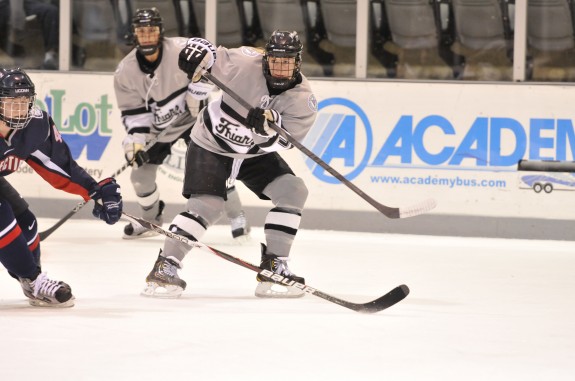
x: 154, y: 96
x: 228, y: 140
x: 29, y: 135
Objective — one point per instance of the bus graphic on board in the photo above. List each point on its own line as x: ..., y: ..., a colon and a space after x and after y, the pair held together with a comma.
x: 546, y: 175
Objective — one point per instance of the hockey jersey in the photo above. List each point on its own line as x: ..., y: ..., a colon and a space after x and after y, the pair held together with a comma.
x: 41, y: 146
x: 221, y: 127
x: 151, y: 102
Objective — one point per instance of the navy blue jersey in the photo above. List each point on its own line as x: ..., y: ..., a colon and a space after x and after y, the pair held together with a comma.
x: 41, y: 146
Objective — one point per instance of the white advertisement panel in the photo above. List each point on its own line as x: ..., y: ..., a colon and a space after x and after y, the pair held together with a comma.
x: 399, y: 142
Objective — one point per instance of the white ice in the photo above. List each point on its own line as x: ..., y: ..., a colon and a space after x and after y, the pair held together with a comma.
x: 479, y: 309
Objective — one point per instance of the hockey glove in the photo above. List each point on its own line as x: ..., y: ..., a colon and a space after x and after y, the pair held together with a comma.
x: 257, y: 121
x: 200, y: 90
x: 110, y: 210
x: 196, y: 58
x: 133, y: 149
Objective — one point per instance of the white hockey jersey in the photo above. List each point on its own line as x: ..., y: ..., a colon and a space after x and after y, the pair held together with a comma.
x: 220, y: 128
x: 157, y: 101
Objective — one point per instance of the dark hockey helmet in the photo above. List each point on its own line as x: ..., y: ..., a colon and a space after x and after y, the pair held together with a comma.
x: 17, y: 96
x: 282, y: 44
x: 147, y: 17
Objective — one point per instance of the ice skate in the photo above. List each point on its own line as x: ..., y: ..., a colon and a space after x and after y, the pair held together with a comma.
x: 44, y: 292
x: 240, y: 228
x: 163, y: 281
x: 134, y: 230
x: 268, y: 289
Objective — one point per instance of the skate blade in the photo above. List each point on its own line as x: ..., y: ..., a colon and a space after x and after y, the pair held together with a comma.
x: 274, y: 290
x: 146, y: 234
x: 154, y: 290
x: 40, y: 303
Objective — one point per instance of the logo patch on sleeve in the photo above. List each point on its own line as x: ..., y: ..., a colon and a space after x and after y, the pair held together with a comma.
x: 250, y: 52
x: 312, y: 102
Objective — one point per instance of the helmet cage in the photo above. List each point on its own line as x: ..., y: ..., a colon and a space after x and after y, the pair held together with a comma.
x: 17, y: 97
x: 147, y: 17
x: 281, y: 45
x: 12, y: 107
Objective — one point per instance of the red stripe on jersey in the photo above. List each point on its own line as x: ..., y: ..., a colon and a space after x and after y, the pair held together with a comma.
x: 34, y: 244
x: 10, y: 236
x: 59, y: 181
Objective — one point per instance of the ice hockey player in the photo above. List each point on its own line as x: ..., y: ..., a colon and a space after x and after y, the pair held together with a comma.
x: 154, y: 95
x: 29, y: 135
x: 230, y: 141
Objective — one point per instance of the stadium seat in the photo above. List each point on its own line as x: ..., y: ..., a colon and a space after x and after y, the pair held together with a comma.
x: 416, y: 35
x: 550, y: 25
x: 479, y: 24
x: 550, y: 39
x: 232, y: 26
x: 412, y: 23
x: 303, y: 17
x: 339, y: 17
x: 96, y: 24
x: 169, y: 9
x: 483, y: 36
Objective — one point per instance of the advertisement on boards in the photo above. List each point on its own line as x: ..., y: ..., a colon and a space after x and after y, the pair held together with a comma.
x: 458, y: 143
x: 400, y: 143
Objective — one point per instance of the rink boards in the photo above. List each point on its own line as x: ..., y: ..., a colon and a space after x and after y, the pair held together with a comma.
x: 399, y: 142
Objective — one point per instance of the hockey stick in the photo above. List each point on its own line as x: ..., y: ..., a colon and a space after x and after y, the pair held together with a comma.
x: 46, y: 233
x: 410, y: 211
x: 392, y: 297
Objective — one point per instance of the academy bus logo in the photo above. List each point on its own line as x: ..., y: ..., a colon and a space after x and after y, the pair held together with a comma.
x: 342, y: 137
x: 87, y: 129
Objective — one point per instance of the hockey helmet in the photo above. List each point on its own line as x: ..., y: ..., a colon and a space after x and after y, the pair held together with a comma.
x: 147, y: 17
x: 282, y: 44
x: 17, y: 96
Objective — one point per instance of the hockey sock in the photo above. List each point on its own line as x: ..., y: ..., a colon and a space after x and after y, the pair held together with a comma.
x: 280, y: 228
x: 190, y: 226
x: 203, y: 212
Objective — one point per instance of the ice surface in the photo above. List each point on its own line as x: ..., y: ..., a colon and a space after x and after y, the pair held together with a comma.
x: 479, y: 309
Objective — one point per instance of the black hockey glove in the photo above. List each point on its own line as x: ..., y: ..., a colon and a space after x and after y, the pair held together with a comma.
x: 111, y: 208
x: 257, y: 121
x: 196, y: 58
x: 141, y: 158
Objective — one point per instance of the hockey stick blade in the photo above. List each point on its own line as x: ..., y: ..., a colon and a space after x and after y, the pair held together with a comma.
x: 417, y: 209
x: 390, y: 212
x: 393, y: 297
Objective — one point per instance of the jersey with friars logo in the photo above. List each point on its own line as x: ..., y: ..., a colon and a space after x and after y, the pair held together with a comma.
x: 151, y: 102
x: 41, y: 146
x: 220, y: 127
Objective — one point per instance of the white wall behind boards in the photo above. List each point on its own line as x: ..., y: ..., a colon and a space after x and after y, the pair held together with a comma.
x: 399, y: 142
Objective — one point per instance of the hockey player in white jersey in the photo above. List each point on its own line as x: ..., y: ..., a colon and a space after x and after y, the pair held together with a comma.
x: 230, y: 141
x: 154, y: 95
